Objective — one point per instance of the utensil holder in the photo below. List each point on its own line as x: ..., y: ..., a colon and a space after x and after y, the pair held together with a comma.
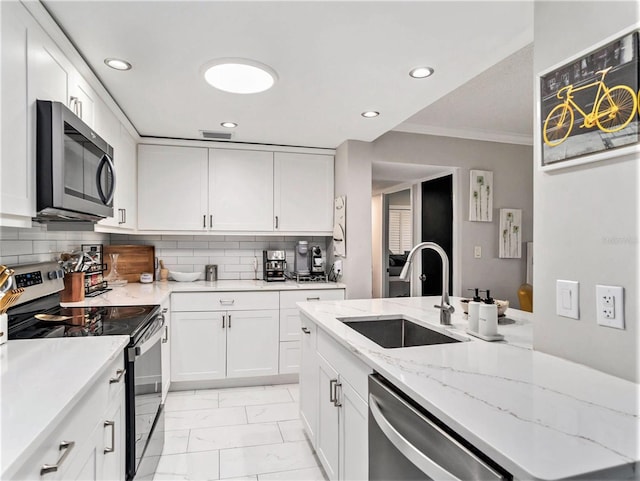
x: 73, y: 287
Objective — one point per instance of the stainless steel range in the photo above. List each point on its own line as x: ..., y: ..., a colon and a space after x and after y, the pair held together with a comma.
x: 39, y: 315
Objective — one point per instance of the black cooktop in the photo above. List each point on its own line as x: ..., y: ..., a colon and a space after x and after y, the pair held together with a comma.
x: 31, y: 322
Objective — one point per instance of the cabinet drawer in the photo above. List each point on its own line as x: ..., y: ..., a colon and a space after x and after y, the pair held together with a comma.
x: 223, y: 301
x: 350, y: 367
x: 288, y: 299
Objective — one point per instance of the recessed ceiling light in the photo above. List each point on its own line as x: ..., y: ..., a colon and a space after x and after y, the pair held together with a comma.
x: 239, y: 76
x: 369, y: 114
x: 229, y: 125
x: 117, y: 63
x: 421, y: 72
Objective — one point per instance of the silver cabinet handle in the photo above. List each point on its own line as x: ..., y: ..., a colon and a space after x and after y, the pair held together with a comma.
x: 119, y: 374
x: 227, y: 302
x: 277, y: 222
x: 165, y: 310
x: 73, y: 105
x: 165, y: 339
x: 210, y: 220
x: 306, y: 330
x: 229, y: 323
x: 332, y: 391
x: 111, y: 424
x: 79, y: 108
x: 65, y: 446
x: 125, y: 215
x: 204, y: 221
x: 223, y: 319
x: 313, y: 298
x: 121, y: 221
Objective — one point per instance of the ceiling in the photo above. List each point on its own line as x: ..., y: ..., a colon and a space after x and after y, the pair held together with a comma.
x: 334, y: 60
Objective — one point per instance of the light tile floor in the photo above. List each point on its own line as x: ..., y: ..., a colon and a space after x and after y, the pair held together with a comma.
x: 251, y: 433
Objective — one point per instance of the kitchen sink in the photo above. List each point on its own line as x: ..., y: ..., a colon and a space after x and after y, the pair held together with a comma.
x: 396, y: 332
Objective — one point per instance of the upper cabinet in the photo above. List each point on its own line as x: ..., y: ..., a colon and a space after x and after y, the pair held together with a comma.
x: 303, y: 192
x: 234, y: 190
x: 172, y: 188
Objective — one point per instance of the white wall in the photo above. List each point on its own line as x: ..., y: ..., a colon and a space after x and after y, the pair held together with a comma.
x: 586, y: 218
x: 513, y: 187
x: 353, y: 180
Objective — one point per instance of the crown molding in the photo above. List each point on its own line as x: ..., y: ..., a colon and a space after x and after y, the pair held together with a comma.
x: 472, y: 134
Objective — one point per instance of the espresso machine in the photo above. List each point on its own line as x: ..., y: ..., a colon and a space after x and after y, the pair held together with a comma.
x: 274, y: 265
x: 301, y: 259
x: 316, y: 264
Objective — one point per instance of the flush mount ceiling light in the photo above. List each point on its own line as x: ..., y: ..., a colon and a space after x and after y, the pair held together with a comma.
x: 421, y: 72
x: 369, y: 114
x: 117, y: 63
x: 239, y: 75
x: 229, y: 125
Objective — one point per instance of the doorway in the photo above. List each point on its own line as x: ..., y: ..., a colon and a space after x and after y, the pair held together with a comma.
x: 399, y: 240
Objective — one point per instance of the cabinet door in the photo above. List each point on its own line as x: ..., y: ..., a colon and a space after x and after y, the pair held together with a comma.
x: 327, y: 440
x: 252, y: 343
x: 354, y: 441
x: 309, y: 379
x: 82, y: 99
x: 241, y: 190
x: 114, y: 440
x: 172, y: 187
x: 289, y: 357
x: 17, y: 181
x: 303, y: 192
x: 290, y: 324
x: 166, y: 350
x: 127, y: 169
x: 198, y: 346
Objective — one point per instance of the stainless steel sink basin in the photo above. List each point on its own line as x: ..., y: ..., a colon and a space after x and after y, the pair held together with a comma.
x: 396, y: 332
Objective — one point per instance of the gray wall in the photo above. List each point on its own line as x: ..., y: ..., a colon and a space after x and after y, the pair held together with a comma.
x: 353, y: 180
x: 513, y: 187
x: 400, y: 198
x: 586, y: 218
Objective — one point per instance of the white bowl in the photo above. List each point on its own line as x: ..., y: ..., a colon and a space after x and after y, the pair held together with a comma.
x: 184, y: 276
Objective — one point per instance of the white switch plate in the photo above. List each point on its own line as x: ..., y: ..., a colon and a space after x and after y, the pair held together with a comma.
x: 567, y: 299
x: 610, y: 306
x: 477, y: 252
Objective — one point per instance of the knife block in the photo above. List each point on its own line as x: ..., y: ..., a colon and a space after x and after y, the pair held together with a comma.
x: 73, y: 287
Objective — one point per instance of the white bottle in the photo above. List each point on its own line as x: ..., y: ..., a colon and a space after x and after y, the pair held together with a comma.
x: 474, y: 311
x: 488, y: 320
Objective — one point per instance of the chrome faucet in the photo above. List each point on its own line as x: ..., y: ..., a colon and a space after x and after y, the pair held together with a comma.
x: 446, y: 309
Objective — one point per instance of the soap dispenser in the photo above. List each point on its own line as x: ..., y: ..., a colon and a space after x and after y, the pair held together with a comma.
x: 473, y: 310
x: 488, y: 317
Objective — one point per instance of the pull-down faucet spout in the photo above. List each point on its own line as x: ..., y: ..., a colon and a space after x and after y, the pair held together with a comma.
x: 446, y: 309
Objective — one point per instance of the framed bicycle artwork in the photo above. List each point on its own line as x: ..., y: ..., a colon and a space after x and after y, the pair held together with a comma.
x: 589, y: 107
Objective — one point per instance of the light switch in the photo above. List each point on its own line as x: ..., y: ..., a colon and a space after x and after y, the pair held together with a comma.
x: 477, y: 252
x: 567, y: 299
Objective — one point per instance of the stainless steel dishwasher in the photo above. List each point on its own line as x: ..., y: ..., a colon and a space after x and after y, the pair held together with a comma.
x: 408, y: 443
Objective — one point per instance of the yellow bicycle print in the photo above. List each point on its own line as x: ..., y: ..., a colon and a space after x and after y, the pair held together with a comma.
x: 613, y: 108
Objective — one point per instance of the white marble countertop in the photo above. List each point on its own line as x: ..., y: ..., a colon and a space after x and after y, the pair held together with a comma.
x: 539, y: 416
x: 135, y: 293
x: 34, y: 398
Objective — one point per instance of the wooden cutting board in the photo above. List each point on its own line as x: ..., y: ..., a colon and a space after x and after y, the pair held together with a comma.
x: 132, y: 261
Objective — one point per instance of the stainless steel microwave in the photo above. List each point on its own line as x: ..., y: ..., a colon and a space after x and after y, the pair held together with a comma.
x: 75, y: 172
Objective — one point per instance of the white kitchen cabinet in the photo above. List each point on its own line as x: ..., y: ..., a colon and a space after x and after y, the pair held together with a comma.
x: 165, y: 349
x: 353, y: 441
x: 303, y: 192
x: 240, y: 190
x: 17, y: 181
x: 218, y: 335
x: 172, y: 188
x: 327, y: 433
x: 252, y: 343
x: 82, y: 99
x: 309, y: 379
x: 81, y: 445
x: 290, y: 357
x: 198, y: 346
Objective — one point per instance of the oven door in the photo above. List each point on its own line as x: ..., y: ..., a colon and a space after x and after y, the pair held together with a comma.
x: 145, y: 424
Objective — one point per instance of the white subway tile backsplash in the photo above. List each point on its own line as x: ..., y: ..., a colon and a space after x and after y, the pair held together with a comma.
x: 181, y: 238
x: 16, y: 248
x: 193, y: 260
x: 193, y: 245
x: 175, y: 252
x: 224, y: 245
x: 7, y: 233
x: 239, y: 252
x: 9, y: 260
x: 239, y: 238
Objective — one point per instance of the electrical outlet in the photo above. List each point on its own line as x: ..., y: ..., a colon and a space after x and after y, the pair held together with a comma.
x: 337, y: 265
x: 610, y: 306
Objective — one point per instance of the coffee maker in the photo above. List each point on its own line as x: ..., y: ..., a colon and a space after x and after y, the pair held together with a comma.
x: 274, y: 265
x: 317, y: 267
x: 301, y: 259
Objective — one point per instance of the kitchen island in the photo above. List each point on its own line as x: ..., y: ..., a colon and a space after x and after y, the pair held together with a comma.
x: 536, y: 415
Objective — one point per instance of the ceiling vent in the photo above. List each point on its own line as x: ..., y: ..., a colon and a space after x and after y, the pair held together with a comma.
x: 211, y: 135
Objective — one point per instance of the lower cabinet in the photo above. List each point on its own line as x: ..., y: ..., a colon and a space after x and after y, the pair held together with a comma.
x: 216, y: 344
x: 333, y: 405
x: 165, y: 349
x: 89, y: 443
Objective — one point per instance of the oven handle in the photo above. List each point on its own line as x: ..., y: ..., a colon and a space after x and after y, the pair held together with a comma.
x: 141, y: 349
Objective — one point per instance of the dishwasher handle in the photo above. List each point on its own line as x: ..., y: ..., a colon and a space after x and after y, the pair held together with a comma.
x: 413, y: 454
